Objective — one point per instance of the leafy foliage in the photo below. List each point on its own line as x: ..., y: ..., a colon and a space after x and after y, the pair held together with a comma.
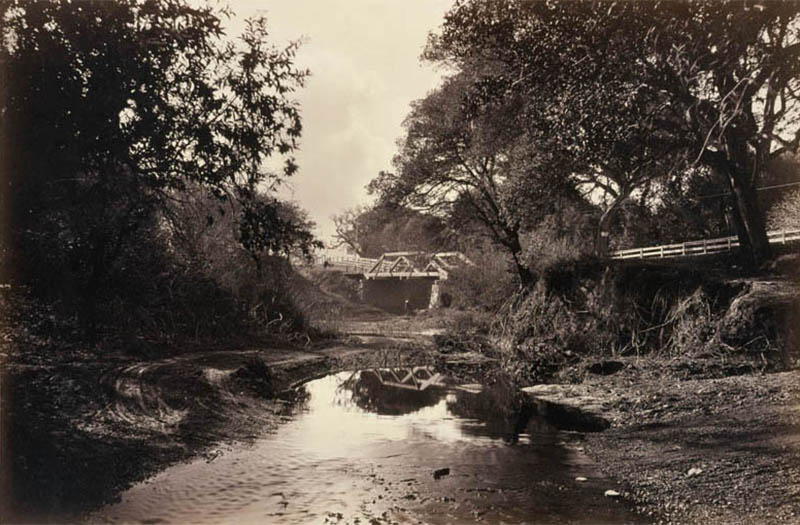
x: 114, y: 111
x: 382, y: 228
x: 459, y: 155
x: 786, y: 214
x: 627, y: 94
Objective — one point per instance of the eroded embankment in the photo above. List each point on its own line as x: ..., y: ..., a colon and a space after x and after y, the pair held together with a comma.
x: 714, y: 322
x: 78, y: 429
x: 693, y: 371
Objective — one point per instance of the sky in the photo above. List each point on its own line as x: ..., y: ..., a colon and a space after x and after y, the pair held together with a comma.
x: 365, y: 71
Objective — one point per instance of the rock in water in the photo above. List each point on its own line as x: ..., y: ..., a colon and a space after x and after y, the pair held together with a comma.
x: 611, y: 494
x: 581, y: 478
x: 440, y: 473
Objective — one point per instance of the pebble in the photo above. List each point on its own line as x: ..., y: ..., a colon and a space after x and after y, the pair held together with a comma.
x: 581, y: 478
x: 611, y: 494
x: 694, y: 471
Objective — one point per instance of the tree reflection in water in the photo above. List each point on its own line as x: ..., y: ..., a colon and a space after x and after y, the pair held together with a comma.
x: 502, y: 410
x: 498, y: 411
x: 383, y: 391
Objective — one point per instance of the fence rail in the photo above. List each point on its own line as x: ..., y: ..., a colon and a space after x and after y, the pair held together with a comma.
x: 701, y: 247
x: 350, y: 264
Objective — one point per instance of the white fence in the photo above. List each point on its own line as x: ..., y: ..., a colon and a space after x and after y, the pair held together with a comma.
x: 703, y: 247
x: 349, y: 263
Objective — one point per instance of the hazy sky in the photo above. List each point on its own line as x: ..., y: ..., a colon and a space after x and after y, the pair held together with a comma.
x: 365, y: 70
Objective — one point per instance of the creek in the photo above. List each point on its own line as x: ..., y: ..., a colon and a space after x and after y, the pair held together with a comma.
x: 385, y: 446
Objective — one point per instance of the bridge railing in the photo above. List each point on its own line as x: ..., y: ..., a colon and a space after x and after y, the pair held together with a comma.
x: 701, y: 247
x: 350, y: 263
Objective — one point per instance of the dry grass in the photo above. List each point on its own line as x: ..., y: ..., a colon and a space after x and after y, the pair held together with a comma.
x: 578, y: 314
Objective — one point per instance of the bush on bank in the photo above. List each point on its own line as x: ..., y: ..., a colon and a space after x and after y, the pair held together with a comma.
x: 582, y: 310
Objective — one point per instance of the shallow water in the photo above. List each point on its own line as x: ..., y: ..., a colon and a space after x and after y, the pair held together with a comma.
x: 363, y: 447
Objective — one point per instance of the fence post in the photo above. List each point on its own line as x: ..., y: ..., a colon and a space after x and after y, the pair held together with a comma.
x: 641, y: 253
x: 661, y: 251
x: 705, y: 246
x: 683, y: 248
x: 783, y: 236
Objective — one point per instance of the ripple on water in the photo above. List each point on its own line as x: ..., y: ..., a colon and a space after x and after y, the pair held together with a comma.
x: 361, y: 448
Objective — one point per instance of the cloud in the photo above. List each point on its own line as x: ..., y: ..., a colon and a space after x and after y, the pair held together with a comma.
x: 363, y: 57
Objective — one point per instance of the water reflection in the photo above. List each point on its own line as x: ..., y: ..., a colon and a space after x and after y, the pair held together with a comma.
x: 365, y: 445
x: 394, y: 391
x: 499, y: 412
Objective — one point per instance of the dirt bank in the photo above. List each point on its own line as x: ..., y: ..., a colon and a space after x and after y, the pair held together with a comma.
x: 79, y: 427
x: 689, y: 448
x: 723, y: 450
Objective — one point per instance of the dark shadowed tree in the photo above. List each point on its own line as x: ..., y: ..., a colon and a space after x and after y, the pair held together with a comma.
x: 109, y: 109
x: 638, y: 90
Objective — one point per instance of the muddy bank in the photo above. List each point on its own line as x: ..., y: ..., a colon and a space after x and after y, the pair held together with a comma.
x: 78, y: 427
x: 691, y: 369
x: 74, y: 434
x: 723, y: 450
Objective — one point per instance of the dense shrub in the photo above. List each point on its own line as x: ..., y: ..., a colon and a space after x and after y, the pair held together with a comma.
x: 559, y: 239
x: 485, y: 285
x: 585, y: 309
x: 785, y: 215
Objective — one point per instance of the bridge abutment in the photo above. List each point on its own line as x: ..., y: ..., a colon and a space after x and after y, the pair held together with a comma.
x: 391, y: 294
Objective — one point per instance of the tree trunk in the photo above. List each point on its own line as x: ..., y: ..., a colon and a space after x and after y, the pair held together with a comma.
x: 602, y: 238
x: 526, y: 277
x: 751, y: 227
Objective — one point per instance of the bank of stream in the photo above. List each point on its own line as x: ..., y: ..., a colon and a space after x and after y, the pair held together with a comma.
x: 275, y: 435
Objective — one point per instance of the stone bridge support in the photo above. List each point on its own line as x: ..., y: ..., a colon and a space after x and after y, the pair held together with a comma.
x: 392, y: 294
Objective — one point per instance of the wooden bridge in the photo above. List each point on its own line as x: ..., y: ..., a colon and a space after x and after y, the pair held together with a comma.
x: 701, y: 247
x: 394, y: 265
x: 406, y: 265
x: 400, y: 281
x: 416, y: 378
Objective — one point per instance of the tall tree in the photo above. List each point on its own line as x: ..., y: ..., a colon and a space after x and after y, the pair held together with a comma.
x: 648, y: 86
x: 456, y: 151
x: 109, y: 108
